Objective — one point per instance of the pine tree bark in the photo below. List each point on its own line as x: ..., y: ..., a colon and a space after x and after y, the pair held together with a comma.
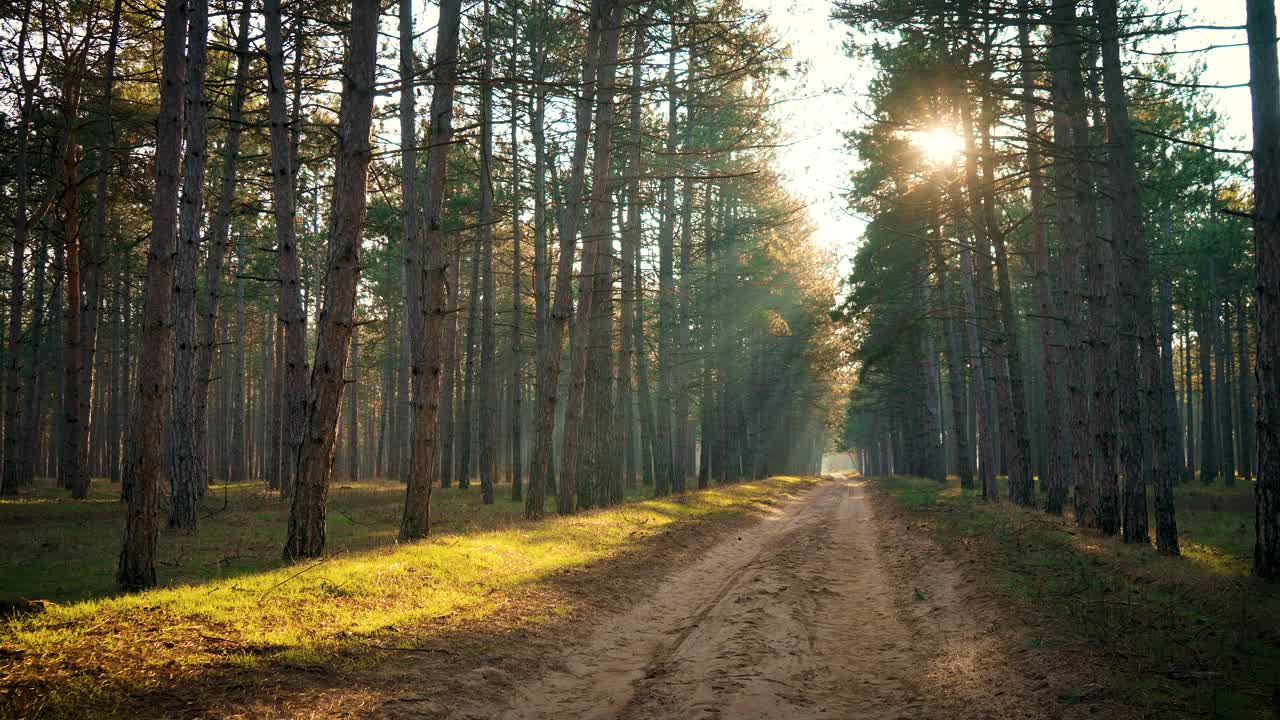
x: 1222, y: 371
x: 487, y: 438
x: 1074, y: 203
x: 306, y: 536
x: 1244, y: 390
x: 185, y: 479
x: 237, y: 471
x: 1264, y: 85
x: 218, y: 234
x: 425, y: 472
x: 549, y: 363
x: 1208, y: 407
x: 293, y: 405
x: 72, y: 473
x: 517, y: 348
x: 664, y: 445
x: 353, y: 409
x: 137, y: 569
x: 630, y: 242
x: 18, y: 448
x: 1144, y: 443
x: 582, y: 442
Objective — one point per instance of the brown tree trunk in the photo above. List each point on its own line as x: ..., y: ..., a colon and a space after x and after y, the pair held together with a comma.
x: 218, y: 234
x: 416, y: 521
x: 333, y: 333
x: 137, y: 569
x: 72, y: 473
x: 1142, y: 413
x: 1244, y: 390
x: 1264, y: 84
x: 1074, y: 202
x: 18, y: 438
x: 585, y: 424
x: 549, y: 364
x: 186, y: 479
x: 487, y: 440
x: 293, y: 401
x: 517, y: 349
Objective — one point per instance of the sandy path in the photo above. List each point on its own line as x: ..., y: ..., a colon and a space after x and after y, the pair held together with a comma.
x: 812, y: 613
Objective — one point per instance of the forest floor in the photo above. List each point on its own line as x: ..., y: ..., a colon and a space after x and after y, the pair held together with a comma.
x: 1169, y: 637
x: 786, y: 598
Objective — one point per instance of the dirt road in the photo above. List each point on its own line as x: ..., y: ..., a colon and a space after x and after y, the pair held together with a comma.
x: 819, y: 611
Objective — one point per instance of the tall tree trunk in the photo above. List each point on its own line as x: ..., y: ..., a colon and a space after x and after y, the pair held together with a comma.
x: 333, y: 332
x: 412, y: 246
x: 449, y: 408
x: 466, y: 426
x: 582, y: 446
x: 1245, y: 390
x: 549, y: 364
x: 681, y: 376
x: 517, y: 348
x: 642, y: 377
x: 237, y: 471
x: 1208, y: 407
x: 293, y: 404
x: 1144, y: 442
x: 664, y: 445
x: 18, y: 445
x: 416, y: 521
x: 1264, y: 85
x: 186, y: 480
x: 1192, y: 454
x: 353, y: 409
x: 1222, y: 371
x: 1074, y: 203
x: 487, y: 440
x: 541, y: 266
x: 92, y: 258
x: 630, y: 242
x: 218, y: 235
x: 137, y: 569
x: 72, y: 473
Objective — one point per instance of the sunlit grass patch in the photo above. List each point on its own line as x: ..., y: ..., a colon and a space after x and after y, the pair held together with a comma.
x: 340, y: 610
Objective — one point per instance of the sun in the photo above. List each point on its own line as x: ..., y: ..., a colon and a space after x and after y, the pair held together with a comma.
x: 940, y: 146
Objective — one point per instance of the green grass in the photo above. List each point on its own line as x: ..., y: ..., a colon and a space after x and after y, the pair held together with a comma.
x: 230, y: 623
x: 1191, y: 637
x: 56, y: 548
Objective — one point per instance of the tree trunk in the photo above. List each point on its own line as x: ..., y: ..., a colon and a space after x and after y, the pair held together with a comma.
x: 353, y: 409
x: 293, y: 407
x: 143, y: 474
x: 1074, y: 203
x: 1208, y: 408
x: 517, y: 349
x: 487, y: 439
x: 582, y: 443
x: 549, y: 364
x: 1264, y: 84
x: 416, y: 521
x: 1222, y: 370
x: 1244, y: 391
x: 72, y: 473
x: 333, y: 333
x: 663, y: 445
x: 237, y: 471
x: 1144, y: 442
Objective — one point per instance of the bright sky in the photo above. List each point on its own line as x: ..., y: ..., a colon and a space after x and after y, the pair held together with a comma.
x: 822, y: 100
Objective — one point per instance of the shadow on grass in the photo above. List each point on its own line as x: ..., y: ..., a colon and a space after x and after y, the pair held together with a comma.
x: 353, y: 631
x: 1189, y: 638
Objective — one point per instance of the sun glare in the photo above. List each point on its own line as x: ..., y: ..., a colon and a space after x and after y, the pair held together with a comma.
x: 939, y: 145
